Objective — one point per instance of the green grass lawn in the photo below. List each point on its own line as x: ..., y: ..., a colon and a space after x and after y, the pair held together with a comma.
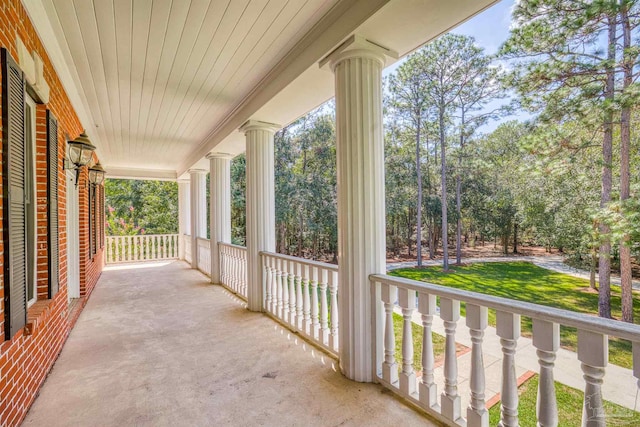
x: 527, y: 282
x: 569, y: 407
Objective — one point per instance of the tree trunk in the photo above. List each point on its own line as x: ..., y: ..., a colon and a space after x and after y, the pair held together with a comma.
x: 515, y: 237
x: 625, y: 175
x: 300, y: 236
x: 419, y: 202
x: 409, y: 234
x: 604, y: 267
x: 458, y: 191
x: 593, y: 268
x: 443, y: 173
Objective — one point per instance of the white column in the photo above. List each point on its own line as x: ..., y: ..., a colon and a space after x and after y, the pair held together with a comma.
x: 198, y: 210
x: 261, y: 210
x: 357, y: 66
x: 184, y: 216
x: 219, y: 207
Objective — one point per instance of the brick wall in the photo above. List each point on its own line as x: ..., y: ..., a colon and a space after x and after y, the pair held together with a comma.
x: 26, y: 358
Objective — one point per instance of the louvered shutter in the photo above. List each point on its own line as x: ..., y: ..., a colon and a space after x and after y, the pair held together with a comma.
x: 14, y: 221
x: 92, y: 227
x: 101, y: 216
x: 52, y: 200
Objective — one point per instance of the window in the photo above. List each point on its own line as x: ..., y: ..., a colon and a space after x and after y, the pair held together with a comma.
x: 20, y: 198
x: 30, y: 199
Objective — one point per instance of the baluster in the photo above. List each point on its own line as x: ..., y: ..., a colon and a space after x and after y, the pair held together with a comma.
x: 285, y: 291
x: 428, y: 388
x: 108, y: 252
x: 166, y: 253
x: 274, y: 286
x: 508, y: 329
x: 389, y: 366
x: 241, y: 280
x: 292, y: 294
x: 244, y: 275
x: 154, y: 249
x: 333, y: 290
x: 299, y: 301
x: 546, y: 339
x: 450, y: 400
x: 407, y: 300
x: 128, y: 243
x: 221, y: 261
x: 635, y: 351
x: 315, y: 324
x: 477, y: 414
x: 307, y: 300
x: 324, y: 308
x: 231, y: 261
x: 266, y: 277
x: 138, y: 249
x: 593, y: 352
x: 280, y: 290
x: 227, y: 267
x: 237, y: 283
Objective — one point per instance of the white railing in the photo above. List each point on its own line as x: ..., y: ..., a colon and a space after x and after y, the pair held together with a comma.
x: 144, y: 247
x: 304, y: 295
x: 233, y: 268
x: 592, y: 351
x: 187, y: 248
x: 204, y: 256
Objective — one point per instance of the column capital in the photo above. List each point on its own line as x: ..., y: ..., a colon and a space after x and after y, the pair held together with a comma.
x: 183, y: 181
x: 197, y: 171
x: 357, y: 46
x: 250, y: 125
x: 226, y: 156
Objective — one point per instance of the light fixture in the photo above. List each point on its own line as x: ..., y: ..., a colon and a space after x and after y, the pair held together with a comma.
x: 96, y: 174
x: 80, y: 152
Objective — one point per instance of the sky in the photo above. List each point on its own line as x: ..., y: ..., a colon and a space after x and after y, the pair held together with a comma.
x: 490, y: 29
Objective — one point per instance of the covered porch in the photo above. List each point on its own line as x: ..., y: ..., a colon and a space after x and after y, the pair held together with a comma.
x: 157, y: 344
x: 169, y: 346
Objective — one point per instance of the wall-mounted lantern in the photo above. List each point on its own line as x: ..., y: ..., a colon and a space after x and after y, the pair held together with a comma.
x: 96, y: 174
x: 80, y: 152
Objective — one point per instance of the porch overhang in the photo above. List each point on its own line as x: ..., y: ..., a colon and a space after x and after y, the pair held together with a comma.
x: 292, y: 86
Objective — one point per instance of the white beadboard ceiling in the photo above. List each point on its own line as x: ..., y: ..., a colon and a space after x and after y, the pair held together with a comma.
x: 157, y: 76
x: 159, y: 83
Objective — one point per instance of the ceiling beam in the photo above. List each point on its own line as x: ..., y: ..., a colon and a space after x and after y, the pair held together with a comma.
x: 143, y: 174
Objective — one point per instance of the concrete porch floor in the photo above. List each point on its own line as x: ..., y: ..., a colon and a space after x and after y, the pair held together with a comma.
x: 160, y: 346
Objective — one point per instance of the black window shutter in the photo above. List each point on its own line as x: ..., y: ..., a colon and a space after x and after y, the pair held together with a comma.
x: 52, y: 200
x: 101, y: 216
x: 14, y: 221
x: 92, y: 227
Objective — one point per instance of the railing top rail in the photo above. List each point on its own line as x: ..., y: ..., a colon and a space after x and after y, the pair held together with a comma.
x: 303, y: 261
x: 142, y: 235
x: 582, y: 321
x: 231, y: 245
